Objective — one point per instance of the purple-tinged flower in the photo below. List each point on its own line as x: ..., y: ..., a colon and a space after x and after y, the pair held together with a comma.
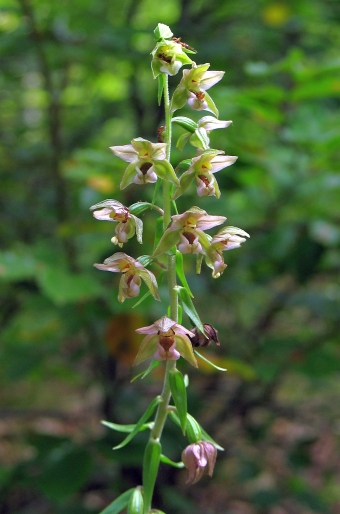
x: 132, y: 273
x: 202, y: 169
x: 127, y: 224
x: 226, y: 239
x: 200, y: 339
x: 165, y: 340
x: 192, y: 89
x: 147, y: 162
x: 187, y: 232
x: 198, y: 458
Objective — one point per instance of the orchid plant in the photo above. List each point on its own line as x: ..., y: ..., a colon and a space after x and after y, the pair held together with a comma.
x: 166, y: 339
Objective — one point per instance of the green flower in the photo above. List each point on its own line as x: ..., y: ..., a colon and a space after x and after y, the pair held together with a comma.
x: 192, y: 89
x: 147, y: 162
x: 168, y: 57
x: 202, y: 169
x: 198, y: 133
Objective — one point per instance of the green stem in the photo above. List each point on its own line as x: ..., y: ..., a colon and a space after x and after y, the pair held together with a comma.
x: 162, y: 410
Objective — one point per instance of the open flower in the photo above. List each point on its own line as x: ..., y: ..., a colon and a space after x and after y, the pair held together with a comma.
x: 165, y: 340
x: 132, y: 273
x: 202, y: 169
x: 226, y: 239
x: 147, y: 162
x: 187, y: 232
x: 168, y: 57
x: 127, y: 224
x: 192, y: 89
x: 198, y: 133
x: 198, y: 458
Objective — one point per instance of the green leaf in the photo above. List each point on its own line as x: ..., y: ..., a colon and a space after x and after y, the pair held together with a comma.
x: 17, y: 264
x: 189, y: 308
x: 151, y: 461
x: 182, y: 141
x: 179, y: 394
x: 119, y: 503
x: 126, y: 428
x: 180, y: 272
x: 156, y: 401
x: 209, y: 362
x: 200, y: 139
x: 166, y: 460
x: 158, y: 232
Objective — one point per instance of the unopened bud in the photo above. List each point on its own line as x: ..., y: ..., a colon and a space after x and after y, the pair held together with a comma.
x: 200, y: 339
x: 198, y: 458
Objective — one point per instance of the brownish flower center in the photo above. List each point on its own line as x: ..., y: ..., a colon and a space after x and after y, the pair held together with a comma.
x: 145, y: 167
x: 190, y: 237
x: 204, y: 179
x: 166, y: 339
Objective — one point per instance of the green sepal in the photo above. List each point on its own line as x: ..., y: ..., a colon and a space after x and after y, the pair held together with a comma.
x: 156, y: 401
x: 166, y: 460
x: 180, y: 272
x: 209, y: 362
x: 194, y: 431
x: 178, y: 99
x: 119, y: 503
x: 153, y: 364
x: 169, y: 239
x: 161, y: 79
x: 179, y: 394
x: 139, y: 208
x: 185, y: 182
x: 136, y: 503
x: 211, y: 104
x: 189, y: 307
x: 165, y: 171
x: 162, y: 31
x: 151, y: 460
x: 126, y: 428
x: 186, y: 123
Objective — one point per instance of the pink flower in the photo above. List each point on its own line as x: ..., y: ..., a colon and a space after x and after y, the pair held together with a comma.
x: 132, y: 273
x: 187, y: 232
x: 127, y: 224
x: 198, y: 458
x: 165, y: 340
x: 227, y: 238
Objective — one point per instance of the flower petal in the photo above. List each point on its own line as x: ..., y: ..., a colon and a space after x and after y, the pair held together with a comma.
x: 184, y: 347
x: 125, y: 152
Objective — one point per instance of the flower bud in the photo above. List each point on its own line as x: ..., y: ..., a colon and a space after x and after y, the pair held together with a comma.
x: 197, y: 458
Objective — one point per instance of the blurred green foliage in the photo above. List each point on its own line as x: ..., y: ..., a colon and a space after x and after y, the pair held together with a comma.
x: 75, y: 79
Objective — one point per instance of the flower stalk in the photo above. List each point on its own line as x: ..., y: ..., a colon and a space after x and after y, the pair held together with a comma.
x: 183, y: 233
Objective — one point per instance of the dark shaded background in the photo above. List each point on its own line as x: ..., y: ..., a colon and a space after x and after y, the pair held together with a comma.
x: 75, y: 79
